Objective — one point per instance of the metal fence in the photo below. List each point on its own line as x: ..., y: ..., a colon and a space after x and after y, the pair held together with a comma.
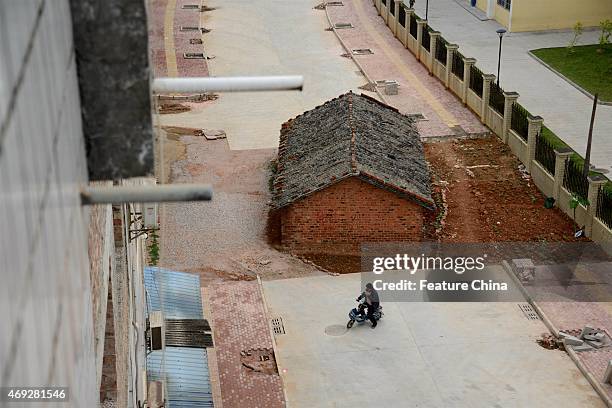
x: 574, y: 181
x: 426, y: 40
x: 441, y: 49
x: 476, y: 81
x: 604, y: 205
x: 519, y: 122
x: 392, y: 7
x: 458, y: 66
x: 402, y: 16
x: 496, y: 98
x: 545, y: 153
x: 413, y: 25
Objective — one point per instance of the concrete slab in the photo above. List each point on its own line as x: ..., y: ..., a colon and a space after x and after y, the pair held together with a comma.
x: 251, y: 38
x: 421, y: 354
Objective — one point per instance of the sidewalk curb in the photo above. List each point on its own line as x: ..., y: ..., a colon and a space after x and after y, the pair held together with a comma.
x: 555, y: 331
x: 569, y: 81
x: 346, y: 48
x: 274, y: 346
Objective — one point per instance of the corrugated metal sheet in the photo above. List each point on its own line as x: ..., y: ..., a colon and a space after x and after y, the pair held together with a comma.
x: 185, y: 372
x: 177, y: 294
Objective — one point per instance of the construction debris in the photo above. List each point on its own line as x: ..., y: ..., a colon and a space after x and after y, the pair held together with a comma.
x: 211, y: 134
x: 168, y: 108
x: 589, y: 339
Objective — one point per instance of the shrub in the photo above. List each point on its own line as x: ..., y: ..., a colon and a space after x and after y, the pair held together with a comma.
x: 606, y: 33
x: 578, y: 29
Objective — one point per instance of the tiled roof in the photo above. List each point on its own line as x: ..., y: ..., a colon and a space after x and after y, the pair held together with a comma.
x: 351, y: 135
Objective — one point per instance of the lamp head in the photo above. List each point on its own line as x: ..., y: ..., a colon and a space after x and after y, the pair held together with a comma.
x: 501, y: 32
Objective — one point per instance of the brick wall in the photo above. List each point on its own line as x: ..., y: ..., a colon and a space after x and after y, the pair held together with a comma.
x: 346, y: 214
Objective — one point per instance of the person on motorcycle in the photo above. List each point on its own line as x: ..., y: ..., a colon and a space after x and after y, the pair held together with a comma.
x: 372, y: 302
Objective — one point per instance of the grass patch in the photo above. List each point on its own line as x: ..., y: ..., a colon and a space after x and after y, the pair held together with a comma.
x: 553, y: 139
x: 585, y: 66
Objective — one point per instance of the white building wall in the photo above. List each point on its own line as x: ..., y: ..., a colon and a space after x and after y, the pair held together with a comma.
x: 46, y: 331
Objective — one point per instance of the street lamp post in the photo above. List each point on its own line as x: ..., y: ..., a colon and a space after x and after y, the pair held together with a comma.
x: 500, y: 33
x: 426, y: 10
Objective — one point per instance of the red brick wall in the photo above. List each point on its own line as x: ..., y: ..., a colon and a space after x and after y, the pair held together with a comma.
x: 346, y: 214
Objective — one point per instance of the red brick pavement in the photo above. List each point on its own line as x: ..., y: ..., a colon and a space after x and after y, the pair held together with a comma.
x: 186, y: 67
x: 380, y: 66
x: 572, y: 317
x: 239, y: 323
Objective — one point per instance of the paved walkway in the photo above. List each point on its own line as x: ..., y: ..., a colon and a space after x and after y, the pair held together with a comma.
x: 420, y: 355
x: 249, y: 38
x: 239, y: 325
x: 565, y: 109
x: 418, y: 92
x: 168, y: 43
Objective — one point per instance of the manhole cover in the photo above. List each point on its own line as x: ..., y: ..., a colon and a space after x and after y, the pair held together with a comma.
x: 336, y: 330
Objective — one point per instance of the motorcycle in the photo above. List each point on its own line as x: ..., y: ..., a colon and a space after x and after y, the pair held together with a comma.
x: 358, y: 315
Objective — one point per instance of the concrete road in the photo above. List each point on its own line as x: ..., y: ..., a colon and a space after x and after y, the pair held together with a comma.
x: 275, y: 37
x: 420, y: 355
x: 564, y: 108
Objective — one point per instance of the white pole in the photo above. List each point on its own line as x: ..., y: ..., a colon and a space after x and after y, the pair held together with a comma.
x: 228, y: 84
x: 145, y: 194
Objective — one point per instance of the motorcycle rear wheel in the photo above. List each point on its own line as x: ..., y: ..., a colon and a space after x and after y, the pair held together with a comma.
x: 350, y: 324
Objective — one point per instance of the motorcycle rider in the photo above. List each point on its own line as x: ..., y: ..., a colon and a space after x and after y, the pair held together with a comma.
x: 372, y: 302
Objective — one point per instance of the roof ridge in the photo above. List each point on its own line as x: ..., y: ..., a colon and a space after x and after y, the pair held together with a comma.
x: 353, y: 147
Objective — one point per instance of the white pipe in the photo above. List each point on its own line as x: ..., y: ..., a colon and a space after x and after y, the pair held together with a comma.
x: 145, y: 194
x: 228, y: 84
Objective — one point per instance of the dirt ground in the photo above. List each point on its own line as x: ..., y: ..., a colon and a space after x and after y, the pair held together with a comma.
x: 226, y: 238
x: 487, y: 198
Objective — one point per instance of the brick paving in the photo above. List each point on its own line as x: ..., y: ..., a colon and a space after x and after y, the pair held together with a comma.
x: 239, y: 323
x: 418, y: 91
x: 573, y: 316
x: 157, y: 43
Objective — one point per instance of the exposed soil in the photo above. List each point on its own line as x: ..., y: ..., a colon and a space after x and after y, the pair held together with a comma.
x: 488, y: 198
x: 225, y: 239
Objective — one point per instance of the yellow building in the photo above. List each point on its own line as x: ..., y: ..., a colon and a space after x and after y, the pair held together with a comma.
x: 535, y: 15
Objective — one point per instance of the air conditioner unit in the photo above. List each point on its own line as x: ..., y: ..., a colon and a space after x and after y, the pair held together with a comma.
x: 150, y: 215
x: 156, y: 330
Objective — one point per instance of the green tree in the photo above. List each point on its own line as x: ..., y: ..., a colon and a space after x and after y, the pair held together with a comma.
x: 578, y: 30
x: 606, y: 33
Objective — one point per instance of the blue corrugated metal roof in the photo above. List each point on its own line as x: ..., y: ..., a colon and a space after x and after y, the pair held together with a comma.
x: 185, y: 372
x: 177, y: 294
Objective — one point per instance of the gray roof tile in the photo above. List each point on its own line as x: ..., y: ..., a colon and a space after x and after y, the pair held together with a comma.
x: 351, y: 135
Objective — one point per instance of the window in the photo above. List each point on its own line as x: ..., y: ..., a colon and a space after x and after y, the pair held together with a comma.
x: 504, y: 3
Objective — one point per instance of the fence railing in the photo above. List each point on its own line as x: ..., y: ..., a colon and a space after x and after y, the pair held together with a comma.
x: 458, y: 65
x: 441, y: 49
x: 426, y: 39
x: 476, y: 81
x: 520, y: 120
x: 392, y: 7
x: 604, y: 205
x: 402, y: 16
x: 545, y: 153
x: 496, y: 98
x: 413, y: 25
x: 574, y: 181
